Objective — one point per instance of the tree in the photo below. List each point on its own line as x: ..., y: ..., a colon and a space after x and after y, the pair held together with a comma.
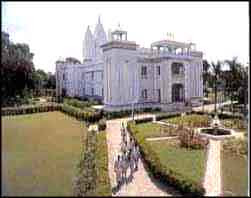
x: 51, y: 83
x: 233, y: 79
x: 206, y: 76
x: 217, y: 74
x: 72, y: 60
x: 16, y: 70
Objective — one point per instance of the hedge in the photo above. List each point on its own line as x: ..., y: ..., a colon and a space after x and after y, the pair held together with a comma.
x: 70, y: 110
x: 165, y: 174
x: 166, y: 115
x: 85, y: 182
x: 81, y: 114
x: 124, y: 113
x: 92, y: 169
x: 30, y: 109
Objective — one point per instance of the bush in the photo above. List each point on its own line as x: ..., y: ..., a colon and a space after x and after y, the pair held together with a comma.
x: 191, y: 140
x: 236, y: 146
x: 163, y: 173
x: 102, y: 125
x: 166, y: 115
x: 81, y: 114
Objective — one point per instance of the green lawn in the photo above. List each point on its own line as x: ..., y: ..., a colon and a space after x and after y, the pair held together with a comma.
x: 234, y: 175
x: 39, y: 154
x: 194, y: 119
x: 149, y: 130
x: 190, y: 163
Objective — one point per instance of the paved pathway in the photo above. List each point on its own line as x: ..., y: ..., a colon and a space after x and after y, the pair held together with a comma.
x: 210, y: 107
x: 161, y: 138
x: 141, y: 184
x: 212, y: 182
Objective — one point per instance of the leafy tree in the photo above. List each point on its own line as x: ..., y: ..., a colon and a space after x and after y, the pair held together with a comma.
x: 233, y: 79
x: 17, y: 68
x: 72, y: 60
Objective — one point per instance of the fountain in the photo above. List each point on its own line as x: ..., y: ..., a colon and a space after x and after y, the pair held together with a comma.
x: 216, y: 130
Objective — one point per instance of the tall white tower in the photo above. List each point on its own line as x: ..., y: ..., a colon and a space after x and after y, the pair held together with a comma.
x: 100, y: 39
x: 88, y: 46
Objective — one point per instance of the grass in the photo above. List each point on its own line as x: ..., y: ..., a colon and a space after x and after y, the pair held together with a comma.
x: 39, y: 154
x: 150, y: 130
x: 190, y: 163
x: 103, y: 186
x: 234, y: 175
x: 193, y: 119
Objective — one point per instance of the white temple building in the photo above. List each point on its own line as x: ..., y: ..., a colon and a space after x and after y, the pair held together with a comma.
x: 120, y: 73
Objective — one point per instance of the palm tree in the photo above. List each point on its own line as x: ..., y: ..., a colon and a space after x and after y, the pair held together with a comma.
x: 233, y: 79
x: 217, y: 74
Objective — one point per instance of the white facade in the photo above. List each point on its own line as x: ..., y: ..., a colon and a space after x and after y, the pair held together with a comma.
x: 118, y: 71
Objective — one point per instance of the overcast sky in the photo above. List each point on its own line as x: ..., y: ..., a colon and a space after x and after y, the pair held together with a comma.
x: 56, y: 29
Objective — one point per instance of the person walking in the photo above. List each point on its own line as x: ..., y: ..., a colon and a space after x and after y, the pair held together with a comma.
x: 136, y: 156
x: 124, y: 147
x: 124, y: 166
x: 131, y: 163
x: 118, y: 172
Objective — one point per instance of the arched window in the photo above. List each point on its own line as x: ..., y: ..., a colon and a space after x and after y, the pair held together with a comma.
x: 178, y: 94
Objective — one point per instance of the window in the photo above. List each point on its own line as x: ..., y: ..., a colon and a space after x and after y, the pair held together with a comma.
x: 159, y: 96
x: 102, y: 75
x: 63, y: 76
x: 144, y: 72
x: 92, y: 91
x: 158, y: 70
x: 102, y: 91
x: 93, y: 75
x: 144, y: 93
x: 83, y: 76
x: 83, y: 91
x: 177, y: 68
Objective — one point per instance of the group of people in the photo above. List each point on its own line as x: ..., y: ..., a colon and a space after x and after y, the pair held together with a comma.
x: 127, y: 159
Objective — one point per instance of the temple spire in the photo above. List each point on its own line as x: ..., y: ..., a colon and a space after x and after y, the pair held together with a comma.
x: 99, y: 19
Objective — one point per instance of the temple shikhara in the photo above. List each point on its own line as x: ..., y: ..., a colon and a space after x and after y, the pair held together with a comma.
x: 168, y: 74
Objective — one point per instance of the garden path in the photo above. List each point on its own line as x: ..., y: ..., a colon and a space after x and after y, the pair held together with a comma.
x: 141, y: 184
x: 212, y: 182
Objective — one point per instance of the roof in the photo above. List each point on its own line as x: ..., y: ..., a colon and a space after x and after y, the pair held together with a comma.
x: 167, y: 43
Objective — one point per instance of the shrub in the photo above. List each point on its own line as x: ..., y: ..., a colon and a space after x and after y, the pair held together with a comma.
x: 236, y: 146
x: 102, y: 125
x: 166, y: 115
x: 189, y: 139
x: 165, y: 174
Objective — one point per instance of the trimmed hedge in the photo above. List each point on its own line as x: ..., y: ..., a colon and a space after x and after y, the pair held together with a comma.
x: 124, y: 113
x: 92, y: 169
x: 166, y: 115
x: 85, y: 183
x: 165, y: 174
x: 70, y: 110
x: 81, y: 114
x: 30, y: 109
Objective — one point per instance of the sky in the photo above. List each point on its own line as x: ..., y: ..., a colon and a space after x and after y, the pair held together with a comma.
x: 56, y: 29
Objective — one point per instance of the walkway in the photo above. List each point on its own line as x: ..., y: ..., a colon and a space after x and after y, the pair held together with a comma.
x: 210, y: 107
x: 141, y: 184
x: 212, y: 182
